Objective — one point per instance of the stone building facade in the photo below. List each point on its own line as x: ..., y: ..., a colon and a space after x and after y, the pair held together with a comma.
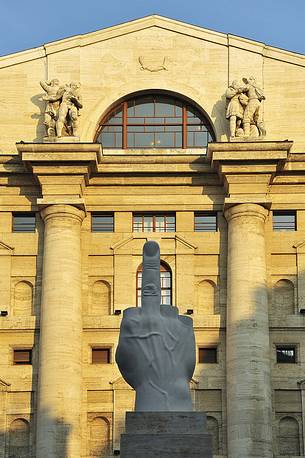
x: 75, y: 211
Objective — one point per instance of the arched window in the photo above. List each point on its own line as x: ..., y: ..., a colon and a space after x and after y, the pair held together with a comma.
x: 19, y: 439
x: 154, y: 121
x: 283, y: 298
x: 99, y: 437
x: 23, y: 298
x: 206, y: 297
x: 166, y: 284
x: 100, y: 298
x: 289, y: 437
x: 213, y: 429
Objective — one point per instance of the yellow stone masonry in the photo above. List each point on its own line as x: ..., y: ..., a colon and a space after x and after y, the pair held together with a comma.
x: 63, y: 287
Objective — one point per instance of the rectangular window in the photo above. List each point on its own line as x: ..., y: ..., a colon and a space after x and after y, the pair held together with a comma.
x: 286, y: 354
x: 22, y: 356
x: 205, y: 222
x: 102, y: 222
x: 284, y: 221
x: 154, y: 222
x: 207, y: 355
x: 100, y: 355
x: 24, y: 222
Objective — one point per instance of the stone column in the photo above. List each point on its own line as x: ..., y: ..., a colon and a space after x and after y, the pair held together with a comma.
x: 59, y: 386
x: 302, y: 388
x: 248, y: 361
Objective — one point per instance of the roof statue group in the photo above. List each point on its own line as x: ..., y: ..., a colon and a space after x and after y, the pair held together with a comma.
x: 62, y: 108
x: 244, y: 109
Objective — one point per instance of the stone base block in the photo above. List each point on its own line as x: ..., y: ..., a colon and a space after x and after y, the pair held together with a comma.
x: 68, y: 139
x: 166, y: 435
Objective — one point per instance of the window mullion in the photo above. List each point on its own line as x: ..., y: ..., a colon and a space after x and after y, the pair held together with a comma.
x: 125, y: 125
x: 184, y: 127
x: 119, y: 118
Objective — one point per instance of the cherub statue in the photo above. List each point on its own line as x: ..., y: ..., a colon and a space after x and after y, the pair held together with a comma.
x: 243, y: 109
x: 235, y: 109
x: 156, y: 351
x: 50, y: 116
x: 63, y: 105
x: 68, y: 112
x: 252, y: 114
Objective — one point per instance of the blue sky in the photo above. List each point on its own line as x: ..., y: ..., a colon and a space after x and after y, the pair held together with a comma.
x: 29, y: 23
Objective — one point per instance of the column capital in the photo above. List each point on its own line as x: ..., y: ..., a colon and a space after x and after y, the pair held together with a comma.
x: 247, y: 168
x: 239, y: 210
x: 63, y: 170
x: 57, y: 210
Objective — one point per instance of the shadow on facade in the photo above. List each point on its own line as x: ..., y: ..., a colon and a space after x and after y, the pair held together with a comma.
x: 283, y: 311
x: 262, y: 341
x: 19, y: 440
x: 220, y: 123
x: 39, y: 116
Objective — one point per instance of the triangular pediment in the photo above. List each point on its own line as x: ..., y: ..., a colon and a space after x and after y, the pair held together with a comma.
x: 4, y: 386
x: 127, y: 241
x: 185, y: 242
x: 300, y: 246
x: 152, y: 21
x: 194, y: 384
x: 301, y: 384
x: 5, y: 250
x: 120, y: 384
x: 177, y: 238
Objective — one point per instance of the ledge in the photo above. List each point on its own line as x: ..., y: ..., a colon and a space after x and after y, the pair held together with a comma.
x: 155, y: 152
x: 249, y: 146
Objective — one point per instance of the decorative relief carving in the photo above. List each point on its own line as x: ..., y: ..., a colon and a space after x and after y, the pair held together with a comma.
x: 62, y: 108
x: 244, y: 109
x: 153, y: 62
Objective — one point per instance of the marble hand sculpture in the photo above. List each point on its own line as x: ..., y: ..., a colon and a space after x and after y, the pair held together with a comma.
x: 156, y: 351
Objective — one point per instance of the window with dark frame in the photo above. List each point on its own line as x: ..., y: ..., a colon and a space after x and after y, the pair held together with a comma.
x: 205, y: 222
x: 102, y: 222
x: 101, y: 355
x: 166, y: 284
x: 284, y: 221
x: 22, y: 356
x: 154, y: 121
x: 286, y: 354
x: 24, y: 222
x: 154, y: 222
x: 207, y: 355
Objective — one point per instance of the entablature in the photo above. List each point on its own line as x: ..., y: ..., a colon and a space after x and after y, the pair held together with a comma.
x: 71, y: 173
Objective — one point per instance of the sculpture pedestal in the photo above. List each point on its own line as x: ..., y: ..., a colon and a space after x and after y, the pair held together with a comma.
x: 67, y: 139
x: 166, y: 435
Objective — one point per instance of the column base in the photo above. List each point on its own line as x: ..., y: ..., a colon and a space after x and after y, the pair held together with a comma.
x: 166, y: 435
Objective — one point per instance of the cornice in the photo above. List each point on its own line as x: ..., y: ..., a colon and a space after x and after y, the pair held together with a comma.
x: 82, y: 40
x: 247, y: 169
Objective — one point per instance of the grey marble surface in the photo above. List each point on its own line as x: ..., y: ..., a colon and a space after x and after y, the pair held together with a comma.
x: 156, y: 351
